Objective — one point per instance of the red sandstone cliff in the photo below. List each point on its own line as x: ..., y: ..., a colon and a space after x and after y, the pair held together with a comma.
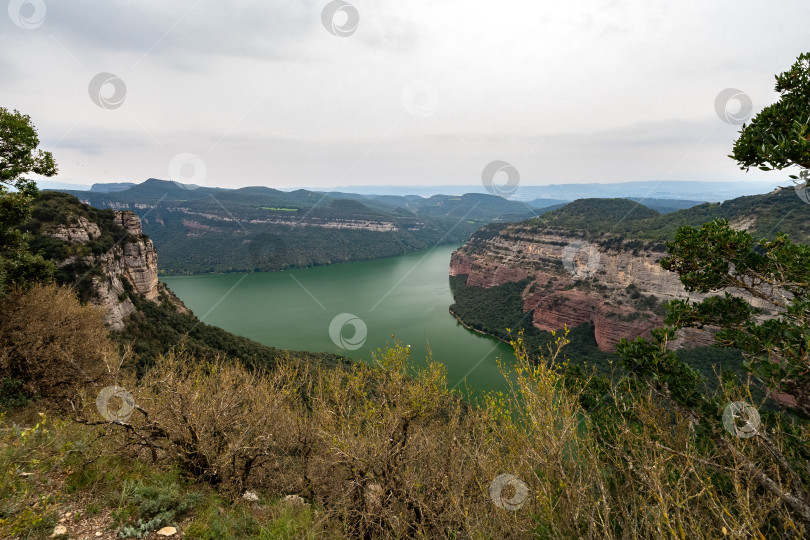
x: 573, y: 282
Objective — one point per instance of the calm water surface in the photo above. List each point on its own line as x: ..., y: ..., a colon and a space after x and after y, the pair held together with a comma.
x: 406, y: 297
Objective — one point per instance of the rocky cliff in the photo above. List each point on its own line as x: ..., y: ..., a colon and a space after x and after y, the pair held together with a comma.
x: 616, y: 285
x: 129, y: 266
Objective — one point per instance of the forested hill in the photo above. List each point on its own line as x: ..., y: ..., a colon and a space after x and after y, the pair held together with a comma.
x: 784, y: 210
x: 201, y: 229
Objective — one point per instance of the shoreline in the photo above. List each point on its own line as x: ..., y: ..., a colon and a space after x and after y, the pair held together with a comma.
x: 477, y: 331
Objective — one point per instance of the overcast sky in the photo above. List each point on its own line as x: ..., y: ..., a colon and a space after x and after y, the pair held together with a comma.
x: 293, y: 94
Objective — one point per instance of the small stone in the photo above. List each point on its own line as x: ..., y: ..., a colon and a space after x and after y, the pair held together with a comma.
x: 167, y: 531
x: 59, y: 530
x: 295, y: 500
x: 62, y: 520
x: 250, y: 496
x: 98, y: 533
x: 68, y: 514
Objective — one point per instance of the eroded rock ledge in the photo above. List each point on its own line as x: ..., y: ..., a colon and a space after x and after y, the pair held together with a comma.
x: 621, y: 294
x: 133, y: 261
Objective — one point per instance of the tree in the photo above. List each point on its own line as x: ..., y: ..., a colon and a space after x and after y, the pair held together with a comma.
x: 764, y: 312
x: 19, y: 156
x: 779, y: 136
x: 775, y: 274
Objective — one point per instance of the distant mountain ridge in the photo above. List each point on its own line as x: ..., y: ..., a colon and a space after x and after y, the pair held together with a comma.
x: 203, y: 229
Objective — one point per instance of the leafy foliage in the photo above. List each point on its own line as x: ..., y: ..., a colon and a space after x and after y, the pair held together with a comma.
x: 19, y: 156
x: 717, y: 258
x: 779, y: 136
x: 153, y: 505
x: 775, y: 273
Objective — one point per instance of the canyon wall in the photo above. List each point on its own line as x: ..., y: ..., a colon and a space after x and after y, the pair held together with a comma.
x: 571, y: 281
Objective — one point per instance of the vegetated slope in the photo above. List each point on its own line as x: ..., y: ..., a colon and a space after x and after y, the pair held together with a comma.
x: 766, y: 215
x: 259, y: 228
x: 593, y: 265
x: 665, y: 206
x: 115, y: 267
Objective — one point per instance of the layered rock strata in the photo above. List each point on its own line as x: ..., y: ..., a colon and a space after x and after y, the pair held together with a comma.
x: 572, y: 282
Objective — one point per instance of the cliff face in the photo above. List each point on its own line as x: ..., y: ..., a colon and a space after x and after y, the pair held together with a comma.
x: 133, y: 261
x: 571, y: 282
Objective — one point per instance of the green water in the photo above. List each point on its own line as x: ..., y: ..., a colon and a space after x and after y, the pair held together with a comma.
x: 407, y: 297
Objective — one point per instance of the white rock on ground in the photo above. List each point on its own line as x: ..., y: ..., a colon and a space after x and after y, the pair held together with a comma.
x: 295, y: 500
x: 167, y: 531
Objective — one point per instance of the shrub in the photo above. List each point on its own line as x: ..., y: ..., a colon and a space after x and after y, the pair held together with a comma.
x: 52, y: 344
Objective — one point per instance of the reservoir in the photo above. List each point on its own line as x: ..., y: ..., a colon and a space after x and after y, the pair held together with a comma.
x: 352, y: 309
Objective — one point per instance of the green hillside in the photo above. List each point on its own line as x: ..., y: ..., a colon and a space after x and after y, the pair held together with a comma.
x: 259, y: 228
x: 765, y: 216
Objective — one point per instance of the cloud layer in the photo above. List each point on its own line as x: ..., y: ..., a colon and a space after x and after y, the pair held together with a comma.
x: 420, y: 93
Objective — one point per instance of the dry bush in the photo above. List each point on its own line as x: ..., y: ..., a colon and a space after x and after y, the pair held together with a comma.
x: 388, y: 460
x: 223, y: 423
x: 389, y: 452
x: 53, y: 344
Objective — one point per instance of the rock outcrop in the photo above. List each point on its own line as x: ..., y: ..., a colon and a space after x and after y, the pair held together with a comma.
x: 80, y: 232
x: 619, y: 288
x: 132, y: 262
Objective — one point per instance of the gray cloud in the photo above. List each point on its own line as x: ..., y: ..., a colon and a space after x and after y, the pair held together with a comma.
x: 597, y: 90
